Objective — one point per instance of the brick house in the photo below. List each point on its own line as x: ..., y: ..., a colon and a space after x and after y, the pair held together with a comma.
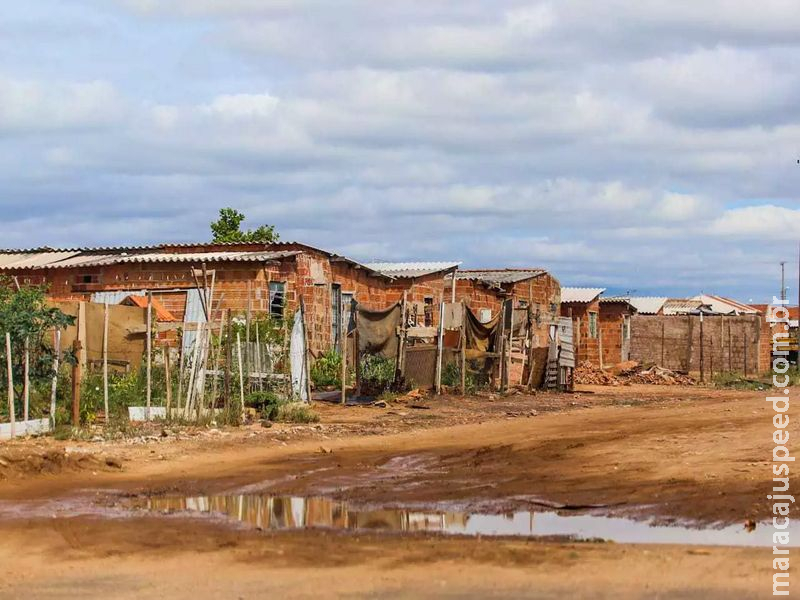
x: 582, y: 305
x: 483, y: 291
x: 615, y: 330
x: 266, y: 278
x: 421, y: 283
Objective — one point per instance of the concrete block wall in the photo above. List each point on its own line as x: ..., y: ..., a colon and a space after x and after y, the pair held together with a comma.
x: 730, y: 343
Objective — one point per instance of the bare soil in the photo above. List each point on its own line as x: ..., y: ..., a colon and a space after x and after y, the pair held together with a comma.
x: 670, y: 452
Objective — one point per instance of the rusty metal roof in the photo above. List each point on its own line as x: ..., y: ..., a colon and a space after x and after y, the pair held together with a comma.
x: 404, y: 270
x: 499, y: 276
x: 580, y: 294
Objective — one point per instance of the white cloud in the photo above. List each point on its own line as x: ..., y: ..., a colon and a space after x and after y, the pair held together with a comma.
x: 35, y: 106
x: 767, y: 222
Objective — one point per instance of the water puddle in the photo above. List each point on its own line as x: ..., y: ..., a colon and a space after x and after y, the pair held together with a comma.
x: 292, y: 513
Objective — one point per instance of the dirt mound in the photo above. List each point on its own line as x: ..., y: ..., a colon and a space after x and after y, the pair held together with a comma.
x: 18, y: 463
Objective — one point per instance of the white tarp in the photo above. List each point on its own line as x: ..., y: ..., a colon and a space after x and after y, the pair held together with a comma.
x: 297, y: 358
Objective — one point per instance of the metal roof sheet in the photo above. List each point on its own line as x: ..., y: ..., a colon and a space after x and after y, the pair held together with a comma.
x: 647, y: 305
x: 681, y: 306
x: 411, y: 269
x: 32, y: 260
x: 62, y: 260
x: 499, y: 276
x: 579, y: 294
x: 725, y: 306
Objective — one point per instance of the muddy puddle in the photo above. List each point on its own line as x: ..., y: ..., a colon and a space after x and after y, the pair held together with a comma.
x: 269, y: 512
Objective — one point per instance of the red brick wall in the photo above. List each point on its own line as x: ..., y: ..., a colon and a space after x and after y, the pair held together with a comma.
x: 611, y: 318
x: 587, y: 348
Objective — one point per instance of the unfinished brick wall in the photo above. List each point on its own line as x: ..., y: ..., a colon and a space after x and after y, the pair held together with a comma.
x: 729, y: 343
x: 587, y: 348
x: 612, y: 339
x: 543, y: 295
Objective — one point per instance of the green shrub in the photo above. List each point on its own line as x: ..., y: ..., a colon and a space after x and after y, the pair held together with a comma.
x: 296, y: 412
x: 266, y: 402
x: 377, y: 374
x: 451, y: 377
x: 327, y: 370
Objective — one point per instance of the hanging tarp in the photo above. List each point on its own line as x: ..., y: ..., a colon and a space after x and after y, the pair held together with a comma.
x: 377, y: 330
x: 298, y: 357
x: 481, y: 337
x: 194, y: 314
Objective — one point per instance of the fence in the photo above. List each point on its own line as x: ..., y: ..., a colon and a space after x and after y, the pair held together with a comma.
x: 711, y: 344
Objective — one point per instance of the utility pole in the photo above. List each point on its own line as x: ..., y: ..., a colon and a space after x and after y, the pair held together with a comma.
x: 783, y: 280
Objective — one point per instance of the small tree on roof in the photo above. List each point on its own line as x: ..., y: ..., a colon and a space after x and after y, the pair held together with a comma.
x: 228, y: 228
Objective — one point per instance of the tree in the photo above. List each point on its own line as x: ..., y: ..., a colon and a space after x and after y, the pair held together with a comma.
x: 228, y: 228
x: 25, y: 314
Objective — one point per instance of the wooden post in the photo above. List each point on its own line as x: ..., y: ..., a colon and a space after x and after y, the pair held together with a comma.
x: 10, y: 380
x: 167, y: 378
x: 663, y: 335
x: 702, y: 350
x: 26, y: 382
x: 105, y: 360
x: 463, y: 343
x: 745, y: 353
x: 248, y: 318
x: 343, y: 335
x: 76, y: 386
x: 226, y: 382
x: 711, y: 359
x: 401, y: 346
x: 81, y: 355
x: 241, y: 373
x: 440, y: 345
x: 730, y: 349
x: 149, y: 352
x: 54, y: 382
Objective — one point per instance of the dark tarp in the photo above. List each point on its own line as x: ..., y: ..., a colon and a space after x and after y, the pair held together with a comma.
x: 481, y: 337
x: 377, y: 330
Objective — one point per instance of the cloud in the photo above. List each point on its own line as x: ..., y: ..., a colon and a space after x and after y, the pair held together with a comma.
x: 35, y: 106
x: 642, y: 145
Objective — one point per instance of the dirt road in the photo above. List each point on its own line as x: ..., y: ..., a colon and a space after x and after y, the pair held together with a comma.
x: 674, y: 453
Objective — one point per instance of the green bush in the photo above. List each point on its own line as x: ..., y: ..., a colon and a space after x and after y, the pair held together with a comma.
x: 451, y: 377
x: 296, y: 412
x: 267, y: 403
x: 327, y: 370
x: 377, y: 374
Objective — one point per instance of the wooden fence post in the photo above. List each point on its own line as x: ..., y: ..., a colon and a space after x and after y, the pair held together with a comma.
x: 105, y: 360
x: 343, y: 334
x: 10, y: 374
x: 54, y: 382
x: 149, y: 352
x: 76, y: 386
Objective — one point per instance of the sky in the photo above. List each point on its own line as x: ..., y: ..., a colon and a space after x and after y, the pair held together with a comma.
x: 645, y: 146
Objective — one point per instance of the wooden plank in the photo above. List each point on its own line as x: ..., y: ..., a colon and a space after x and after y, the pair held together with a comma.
x: 105, y: 359
x: 54, y: 381
x: 10, y: 381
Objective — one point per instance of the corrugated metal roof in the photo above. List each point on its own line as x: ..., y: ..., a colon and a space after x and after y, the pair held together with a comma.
x: 32, y: 260
x: 411, y: 269
x: 647, y: 305
x: 62, y: 260
x: 725, y: 306
x: 681, y: 306
x: 579, y: 294
x: 499, y: 276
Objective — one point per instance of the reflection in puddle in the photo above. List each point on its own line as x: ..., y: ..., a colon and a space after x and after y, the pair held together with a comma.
x: 291, y: 512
